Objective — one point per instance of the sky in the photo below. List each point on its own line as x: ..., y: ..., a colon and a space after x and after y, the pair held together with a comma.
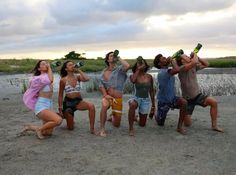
x: 49, y: 29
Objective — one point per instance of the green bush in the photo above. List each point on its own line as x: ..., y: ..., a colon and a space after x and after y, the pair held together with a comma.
x: 222, y: 63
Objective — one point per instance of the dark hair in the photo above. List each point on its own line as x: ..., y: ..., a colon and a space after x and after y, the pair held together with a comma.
x: 35, y: 71
x: 63, y: 71
x: 156, y: 61
x: 107, y: 57
x: 146, y: 66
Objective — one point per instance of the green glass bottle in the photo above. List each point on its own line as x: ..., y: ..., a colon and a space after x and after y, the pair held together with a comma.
x: 79, y: 64
x: 177, y: 54
x: 197, y: 48
x: 115, y: 55
x: 55, y: 63
x: 140, y: 59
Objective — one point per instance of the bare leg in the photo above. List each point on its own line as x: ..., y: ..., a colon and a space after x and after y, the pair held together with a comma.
x: 28, y: 127
x: 69, y: 120
x: 210, y: 101
x: 83, y: 105
x: 142, y: 119
x: 50, y: 119
x: 187, y: 120
x: 182, y: 105
x: 103, y: 117
x: 131, y: 116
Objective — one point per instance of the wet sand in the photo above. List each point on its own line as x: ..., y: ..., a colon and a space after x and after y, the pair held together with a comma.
x: 153, y: 150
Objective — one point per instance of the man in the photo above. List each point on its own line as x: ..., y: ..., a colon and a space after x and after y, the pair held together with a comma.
x: 111, y: 86
x: 191, y: 91
x: 166, y: 95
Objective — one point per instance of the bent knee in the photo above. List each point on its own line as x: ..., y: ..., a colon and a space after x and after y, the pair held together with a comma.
x: 132, y: 105
x: 91, y: 107
x: 58, y: 121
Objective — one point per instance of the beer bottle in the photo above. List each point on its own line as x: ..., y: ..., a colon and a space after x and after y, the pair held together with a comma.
x: 140, y: 59
x: 197, y: 48
x: 79, y: 64
x: 115, y: 55
x: 177, y: 54
x: 55, y: 63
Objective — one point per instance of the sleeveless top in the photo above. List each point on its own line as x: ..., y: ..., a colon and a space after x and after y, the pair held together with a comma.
x: 70, y: 89
x: 142, y: 89
x: 47, y: 88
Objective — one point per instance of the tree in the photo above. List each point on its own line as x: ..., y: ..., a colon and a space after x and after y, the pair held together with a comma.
x: 75, y: 56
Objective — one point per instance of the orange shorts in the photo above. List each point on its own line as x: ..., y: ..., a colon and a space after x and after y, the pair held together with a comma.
x: 117, y: 106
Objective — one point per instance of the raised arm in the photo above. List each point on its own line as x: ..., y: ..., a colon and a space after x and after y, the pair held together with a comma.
x: 134, y: 76
x: 191, y: 63
x: 202, y: 63
x: 83, y: 77
x: 175, y: 68
x: 125, y: 64
x: 50, y: 74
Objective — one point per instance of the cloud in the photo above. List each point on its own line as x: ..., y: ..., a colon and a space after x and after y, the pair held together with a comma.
x: 53, y: 24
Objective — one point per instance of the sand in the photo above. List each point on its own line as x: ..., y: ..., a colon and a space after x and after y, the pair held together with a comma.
x: 153, y: 150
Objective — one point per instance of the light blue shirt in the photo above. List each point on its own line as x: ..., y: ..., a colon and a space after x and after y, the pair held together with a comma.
x: 166, y: 93
x: 116, y: 80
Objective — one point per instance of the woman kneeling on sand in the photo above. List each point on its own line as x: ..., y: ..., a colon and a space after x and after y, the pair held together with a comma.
x: 70, y: 84
x: 38, y: 98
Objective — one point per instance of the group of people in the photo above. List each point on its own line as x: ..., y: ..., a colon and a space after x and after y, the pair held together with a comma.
x: 38, y: 96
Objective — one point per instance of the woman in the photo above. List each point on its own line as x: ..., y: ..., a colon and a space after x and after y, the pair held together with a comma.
x: 143, y: 84
x: 70, y: 84
x: 38, y: 97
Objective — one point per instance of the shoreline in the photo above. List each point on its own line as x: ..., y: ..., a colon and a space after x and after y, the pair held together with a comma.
x: 208, y: 70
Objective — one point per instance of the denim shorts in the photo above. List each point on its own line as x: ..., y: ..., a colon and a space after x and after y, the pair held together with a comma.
x: 143, y: 104
x: 41, y: 104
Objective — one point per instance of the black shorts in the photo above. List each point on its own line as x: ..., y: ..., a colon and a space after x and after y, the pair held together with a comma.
x: 69, y: 104
x: 198, y: 100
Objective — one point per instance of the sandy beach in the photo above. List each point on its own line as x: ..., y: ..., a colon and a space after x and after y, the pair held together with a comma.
x: 154, y: 149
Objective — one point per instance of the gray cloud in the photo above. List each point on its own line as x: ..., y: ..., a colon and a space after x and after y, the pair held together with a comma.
x: 59, y: 23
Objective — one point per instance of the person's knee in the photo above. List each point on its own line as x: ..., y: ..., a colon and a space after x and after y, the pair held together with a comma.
x: 183, y: 102
x: 58, y: 121
x: 91, y: 107
x: 105, y: 106
x: 214, y: 103
x: 132, y: 106
x: 211, y: 102
x: 116, y: 121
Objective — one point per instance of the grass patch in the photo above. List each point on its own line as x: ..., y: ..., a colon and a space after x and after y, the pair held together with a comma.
x: 222, y: 63
x: 92, y: 65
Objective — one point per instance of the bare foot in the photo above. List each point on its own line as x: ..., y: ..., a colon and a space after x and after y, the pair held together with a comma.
x: 27, y: 127
x: 131, y: 132
x: 181, y: 131
x: 24, y: 130
x: 102, y: 134
x: 39, y: 134
x: 217, y: 129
